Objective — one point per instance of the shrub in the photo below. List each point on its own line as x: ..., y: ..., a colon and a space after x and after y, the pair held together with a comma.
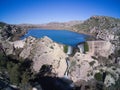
x: 2, y: 57
x: 98, y: 77
x: 92, y: 63
x: 86, y: 47
x: 65, y: 49
x: 51, y: 47
x: 94, y: 58
x: 15, y: 75
x: 3, y: 61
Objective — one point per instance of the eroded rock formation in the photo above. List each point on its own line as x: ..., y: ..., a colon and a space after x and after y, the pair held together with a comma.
x: 45, y: 51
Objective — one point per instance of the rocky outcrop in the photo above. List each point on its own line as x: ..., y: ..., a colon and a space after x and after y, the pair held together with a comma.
x: 7, y: 47
x: 41, y: 51
x: 45, y: 52
x: 11, y: 32
x: 85, y: 67
x: 81, y: 66
x: 18, y: 44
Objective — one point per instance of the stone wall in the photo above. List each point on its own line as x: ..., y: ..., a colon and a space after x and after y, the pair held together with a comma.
x: 100, y: 48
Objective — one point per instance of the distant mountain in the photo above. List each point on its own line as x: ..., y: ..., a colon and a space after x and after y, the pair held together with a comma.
x: 53, y: 25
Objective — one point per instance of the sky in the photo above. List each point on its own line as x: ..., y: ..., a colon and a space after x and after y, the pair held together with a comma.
x: 44, y: 11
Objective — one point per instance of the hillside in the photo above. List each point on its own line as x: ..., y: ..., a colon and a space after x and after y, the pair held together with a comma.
x: 98, y: 23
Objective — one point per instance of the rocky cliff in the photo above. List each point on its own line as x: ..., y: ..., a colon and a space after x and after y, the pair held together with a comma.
x: 45, y: 52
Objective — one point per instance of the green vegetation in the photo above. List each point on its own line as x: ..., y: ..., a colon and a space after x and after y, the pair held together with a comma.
x: 14, y: 75
x: 118, y: 53
x: 2, y: 62
x: 92, y: 63
x: 2, y: 56
x: 18, y: 71
x: 98, y: 77
x: 86, y: 47
x: 65, y: 48
x: 25, y: 78
x: 94, y: 58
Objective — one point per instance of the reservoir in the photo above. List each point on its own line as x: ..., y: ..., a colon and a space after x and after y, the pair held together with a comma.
x: 60, y: 36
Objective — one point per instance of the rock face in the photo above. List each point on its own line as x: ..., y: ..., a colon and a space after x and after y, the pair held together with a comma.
x: 81, y: 66
x: 101, y: 48
x: 7, y: 47
x: 45, y: 51
x: 18, y: 44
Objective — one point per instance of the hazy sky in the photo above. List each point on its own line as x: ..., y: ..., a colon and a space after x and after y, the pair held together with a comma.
x: 43, y: 11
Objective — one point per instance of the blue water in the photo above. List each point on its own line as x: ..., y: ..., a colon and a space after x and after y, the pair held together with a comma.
x: 60, y: 36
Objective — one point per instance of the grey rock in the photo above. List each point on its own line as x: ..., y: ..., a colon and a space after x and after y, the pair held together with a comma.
x: 45, y: 51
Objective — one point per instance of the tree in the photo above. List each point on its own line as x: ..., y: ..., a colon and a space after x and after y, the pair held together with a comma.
x: 98, y: 77
x: 15, y: 75
x: 86, y: 47
x: 25, y: 78
x: 3, y: 62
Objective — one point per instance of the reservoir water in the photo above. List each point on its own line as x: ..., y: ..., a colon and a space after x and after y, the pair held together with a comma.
x: 60, y: 36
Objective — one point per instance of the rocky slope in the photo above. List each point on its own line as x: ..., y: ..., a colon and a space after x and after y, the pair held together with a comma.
x: 103, y: 51
x: 45, y: 51
x: 11, y: 32
x: 41, y: 51
x: 102, y: 27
